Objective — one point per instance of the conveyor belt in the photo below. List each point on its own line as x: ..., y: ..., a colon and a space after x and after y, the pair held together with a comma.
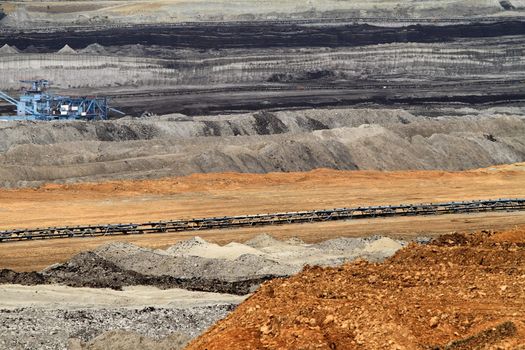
x: 227, y: 222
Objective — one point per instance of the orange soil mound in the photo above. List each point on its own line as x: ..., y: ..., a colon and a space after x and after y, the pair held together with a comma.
x: 461, y: 292
x: 232, y: 181
x: 517, y: 234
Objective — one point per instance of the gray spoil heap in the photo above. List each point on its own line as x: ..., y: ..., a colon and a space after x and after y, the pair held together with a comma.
x: 383, y: 139
x: 198, y: 265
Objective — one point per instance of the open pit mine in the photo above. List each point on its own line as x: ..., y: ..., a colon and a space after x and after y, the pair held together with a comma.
x: 262, y: 175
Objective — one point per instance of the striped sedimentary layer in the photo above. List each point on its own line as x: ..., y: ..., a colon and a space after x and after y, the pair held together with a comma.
x: 406, y: 63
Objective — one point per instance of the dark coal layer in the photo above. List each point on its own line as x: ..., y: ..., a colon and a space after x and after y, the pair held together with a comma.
x: 258, y: 35
x: 230, y: 103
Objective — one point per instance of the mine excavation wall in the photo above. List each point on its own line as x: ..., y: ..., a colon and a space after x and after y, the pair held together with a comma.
x: 74, y: 71
x: 86, y: 12
x: 402, y: 64
x: 32, y: 153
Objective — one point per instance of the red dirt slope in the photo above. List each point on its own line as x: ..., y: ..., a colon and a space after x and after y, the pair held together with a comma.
x: 461, y: 292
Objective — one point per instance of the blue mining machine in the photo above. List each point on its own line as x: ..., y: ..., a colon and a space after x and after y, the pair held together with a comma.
x: 36, y: 103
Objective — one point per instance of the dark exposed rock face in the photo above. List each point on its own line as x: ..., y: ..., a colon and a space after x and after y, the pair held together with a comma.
x: 507, y: 5
x: 218, y: 37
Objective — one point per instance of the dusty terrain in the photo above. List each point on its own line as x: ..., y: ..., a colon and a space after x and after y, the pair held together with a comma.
x: 205, y: 195
x: 461, y: 292
x: 186, y: 73
x: 196, y: 264
x: 55, y: 315
x: 284, y: 106
x: 53, y: 296
x: 428, y: 92
x: 333, y: 53
x: 56, y: 328
x: 48, y: 13
x: 344, y: 305
x: 347, y: 139
x: 219, y: 194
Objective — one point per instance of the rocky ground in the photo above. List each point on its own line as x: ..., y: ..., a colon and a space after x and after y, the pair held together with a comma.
x: 53, y: 316
x: 60, y: 329
x: 459, y: 292
x: 359, y: 85
x: 262, y: 87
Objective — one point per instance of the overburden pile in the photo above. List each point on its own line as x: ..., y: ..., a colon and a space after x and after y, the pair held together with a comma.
x: 459, y: 292
x: 198, y: 265
x: 345, y: 139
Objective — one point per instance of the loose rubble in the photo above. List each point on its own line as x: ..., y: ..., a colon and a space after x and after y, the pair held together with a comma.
x: 58, y: 328
x: 85, y: 323
x: 459, y: 292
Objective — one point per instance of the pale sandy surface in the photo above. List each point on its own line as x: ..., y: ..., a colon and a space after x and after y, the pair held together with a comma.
x: 63, y: 297
x: 196, y: 10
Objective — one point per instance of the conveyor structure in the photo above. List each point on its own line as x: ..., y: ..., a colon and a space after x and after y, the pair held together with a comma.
x: 228, y: 222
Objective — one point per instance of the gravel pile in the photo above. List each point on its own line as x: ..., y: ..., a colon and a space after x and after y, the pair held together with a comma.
x: 194, y: 264
x: 199, y: 247
x: 125, y: 340
x: 53, y: 328
x: 262, y: 241
x: 198, y: 265
x: 161, y: 263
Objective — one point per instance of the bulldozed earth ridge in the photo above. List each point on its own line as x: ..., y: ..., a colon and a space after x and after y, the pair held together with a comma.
x: 32, y: 153
x: 459, y: 292
x: 196, y: 264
